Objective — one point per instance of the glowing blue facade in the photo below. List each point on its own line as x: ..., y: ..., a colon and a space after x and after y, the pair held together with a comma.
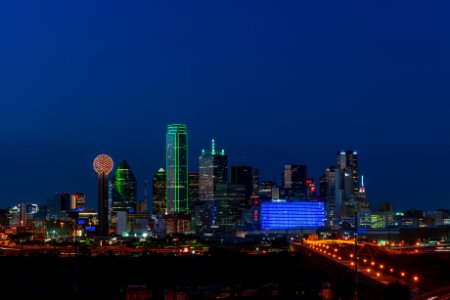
x: 292, y: 215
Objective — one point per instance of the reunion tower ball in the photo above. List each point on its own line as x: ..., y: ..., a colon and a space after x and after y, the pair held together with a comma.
x: 103, y: 164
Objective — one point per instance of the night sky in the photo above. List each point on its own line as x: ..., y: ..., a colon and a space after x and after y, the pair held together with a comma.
x: 274, y: 82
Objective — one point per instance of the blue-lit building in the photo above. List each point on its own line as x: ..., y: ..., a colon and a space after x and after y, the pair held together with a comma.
x: 282, y: 215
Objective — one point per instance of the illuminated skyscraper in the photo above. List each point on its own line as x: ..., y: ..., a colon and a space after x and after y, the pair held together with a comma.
x: 294, y: 181
x: 103, y: 165
x: 124, y: 189
x: 159, y: 193
x: 213, y: 170
x: 347, y: 162
x: 177, y: 198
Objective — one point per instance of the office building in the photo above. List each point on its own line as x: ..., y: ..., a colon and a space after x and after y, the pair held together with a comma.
x: 347, y: 162
x: 213, y: 169
x: 230, y: 204
x: 177, y: 198
x: 244, y: 175
x: 123, y: 189
x: 159, y: 193
x: 78, y: 201
x: 194, y: 189
x: 333, y: 193
x: 294, y: 181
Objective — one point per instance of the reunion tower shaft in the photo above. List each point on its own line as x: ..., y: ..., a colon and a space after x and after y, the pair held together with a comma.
x: 103, y: 165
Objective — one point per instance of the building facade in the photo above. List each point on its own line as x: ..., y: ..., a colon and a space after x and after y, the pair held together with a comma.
x: 177, y: 198
x: 244, y: 175
x: 123, y: 189
x: 159, y: 193
x: 213, y: 170
x: 294, y: 181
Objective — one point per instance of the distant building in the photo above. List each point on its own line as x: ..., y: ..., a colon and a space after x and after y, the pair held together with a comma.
x: 283, y: 215
x: 294, y: 181
x: 159, y: 192
x: 230, y: 204
x: 204, y: 215
x: 180, y: 223
x: 177, y: 169
x: 311, y: 192
x: 267, y: 189
x: 123, y: 188
x: 213, y: 169
x: 78, y: 201
x: 22, y: 214
x: 59, y: 206
x: 255, y: 181
x: 194, y: 189
x: 244, y: 175
x: 347, y: 162
x: 330, y: 187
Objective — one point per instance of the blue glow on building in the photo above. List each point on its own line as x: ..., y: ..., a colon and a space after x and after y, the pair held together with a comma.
x: 292, y: 215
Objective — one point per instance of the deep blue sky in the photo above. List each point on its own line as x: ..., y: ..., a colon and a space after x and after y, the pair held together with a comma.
x: 274, y: 82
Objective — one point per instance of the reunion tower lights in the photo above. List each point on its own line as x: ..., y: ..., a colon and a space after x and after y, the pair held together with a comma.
x: 103, y: 165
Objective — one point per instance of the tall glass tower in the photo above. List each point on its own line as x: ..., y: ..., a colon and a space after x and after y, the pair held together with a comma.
x: 177, y: 169
x: 124, y: 189
x: 159, y: 192
x: 347, y: 161
x: 213, y: 167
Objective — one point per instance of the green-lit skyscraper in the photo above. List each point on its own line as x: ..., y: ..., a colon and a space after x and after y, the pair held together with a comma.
x: 177, y: 169
x: 123, y: 188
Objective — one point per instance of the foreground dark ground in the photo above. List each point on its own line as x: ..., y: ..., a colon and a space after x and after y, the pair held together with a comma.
x: 274, y: 276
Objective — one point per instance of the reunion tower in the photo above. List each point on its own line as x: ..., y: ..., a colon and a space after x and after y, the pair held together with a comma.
x: 103, y: 165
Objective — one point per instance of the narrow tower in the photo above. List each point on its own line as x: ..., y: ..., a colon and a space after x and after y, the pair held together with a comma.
x: 103, y: 165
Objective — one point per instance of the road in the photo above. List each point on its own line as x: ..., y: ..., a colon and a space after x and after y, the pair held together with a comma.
x: 376, y: 271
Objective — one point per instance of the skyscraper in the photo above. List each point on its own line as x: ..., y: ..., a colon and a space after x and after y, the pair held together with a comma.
x: 103, y: 165
x: 213, y: 167
x: 177, y: 169
x: 194, y: 188
x: 230, y: 204
x: 243, y: 175
x: 294, y: 181
x: 332, y: 194
x: 123, y: 189
x: 347, y: 162
x: 159, y: 192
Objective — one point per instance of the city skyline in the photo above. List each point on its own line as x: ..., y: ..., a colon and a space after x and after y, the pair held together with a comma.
x: 275, y: 83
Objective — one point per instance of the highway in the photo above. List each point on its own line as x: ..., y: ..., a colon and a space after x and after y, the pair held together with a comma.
x: 374, y: 270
